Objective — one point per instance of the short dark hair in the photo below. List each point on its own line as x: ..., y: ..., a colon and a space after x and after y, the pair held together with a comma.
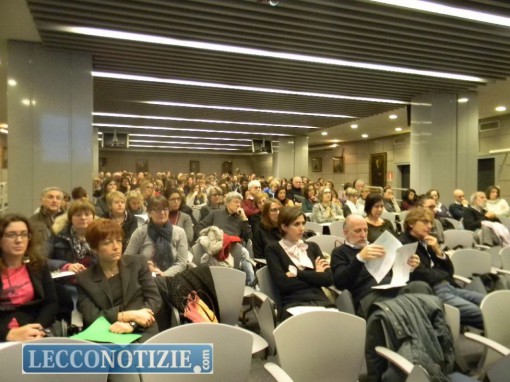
x: 79, y: 206
x: 371, y: 200
x: 287, y: 216
x: 489, y: 190
x: 79, y: 193
x: 102, y: 229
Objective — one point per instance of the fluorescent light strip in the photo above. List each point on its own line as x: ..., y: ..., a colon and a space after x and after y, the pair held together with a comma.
x: 185, y: 143
x: 177, y: 147
x: 143, y: 127
x: 428, y: 6
x: 116, y: 115
x: 98, y: 32
x: 178, y: 104
x: 189, y: 137
x: 132, y: 77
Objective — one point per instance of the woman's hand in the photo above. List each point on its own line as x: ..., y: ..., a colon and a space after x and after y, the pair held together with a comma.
x: 321, y: 264
x: 154, y: 269
x: 121, y: 328
x: 26, y: 332
x: 76, y: 268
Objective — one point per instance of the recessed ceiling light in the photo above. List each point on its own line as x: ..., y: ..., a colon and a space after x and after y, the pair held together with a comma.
x: 334, y: 145
x: 12, y: 82
x: 398, y: 129
x: 364, y: 135
x: 354, y: 126
x: 324, y: 133
x: 463, y: 100
x: 25, y: 101
x: 393, y: 116
x: 119, y: 35
x: 501, y: 108
x: 428, y: 6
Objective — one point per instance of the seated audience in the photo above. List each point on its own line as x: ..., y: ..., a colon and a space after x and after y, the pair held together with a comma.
x: 254, y: 219
x: 348, y: 263
x: 360, y: 203
x: 310, y: 198
x: 117, y: 212
x: 109, y: 185
x: 457, y: 207
x: 325, y: 211
x: 268, y: 231
x: 281, y: 195
x: 408, y: 199
x: 436, y: 268
x: 214, y: 201
x: 437, y: 228
x: 196, y: 197
x: 176, y: 216
x: 441, y: 211
x: 374, y: 206
x: 248, y: 204
x: 351, y: 198
x: 147, y: 191
x: 28, y: 300
x: 298, y: 269
x: 164, y: 246
x: 134, y: 203
x: 295, y: 192
x: 390, y: 203
x: 496, y: 204
x: 125, y: 184
x: 51, y: 208
x: 476, y: 217
x: 119, y: 288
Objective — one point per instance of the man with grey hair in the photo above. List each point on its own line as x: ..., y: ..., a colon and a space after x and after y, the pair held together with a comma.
x: 233, y: 221
x: 248, y: 203
x: 51, y: 202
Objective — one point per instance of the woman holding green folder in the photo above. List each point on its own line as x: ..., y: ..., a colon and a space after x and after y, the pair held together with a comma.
x: 119, y: 288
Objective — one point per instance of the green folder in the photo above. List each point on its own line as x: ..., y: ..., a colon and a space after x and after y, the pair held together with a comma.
x: 99, y: 331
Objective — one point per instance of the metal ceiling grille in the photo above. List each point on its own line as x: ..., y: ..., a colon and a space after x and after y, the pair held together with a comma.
x: 350, y: 30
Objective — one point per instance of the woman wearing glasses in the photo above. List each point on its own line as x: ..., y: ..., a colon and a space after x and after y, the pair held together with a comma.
x: 325, y: 211
x: 214, y: 201
x: 28, y: 301
x: 267, y: 231
x: 177, y: 216
x: 163, y: 244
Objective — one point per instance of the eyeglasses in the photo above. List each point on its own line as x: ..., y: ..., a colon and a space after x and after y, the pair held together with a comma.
x: 174, y: 199
x: 161, y: 211
x: 275, y: 210
x: 14, y: 235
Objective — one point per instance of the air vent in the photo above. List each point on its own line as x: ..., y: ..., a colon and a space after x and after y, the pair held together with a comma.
x: 489, y: 125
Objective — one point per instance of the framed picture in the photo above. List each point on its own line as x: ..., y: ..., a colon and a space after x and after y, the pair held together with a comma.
x: 226, y: 167
x: 378, y: 169
x: 338, y: 164
x: 316, y: 164
x: 194, y: 166
x: 142, y: 165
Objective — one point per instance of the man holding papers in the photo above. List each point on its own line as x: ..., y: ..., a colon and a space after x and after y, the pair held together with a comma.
x: 436, y: 268
x: 359, y: 266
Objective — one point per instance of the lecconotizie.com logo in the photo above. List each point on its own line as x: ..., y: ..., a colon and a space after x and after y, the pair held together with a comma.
x: 117, y: 359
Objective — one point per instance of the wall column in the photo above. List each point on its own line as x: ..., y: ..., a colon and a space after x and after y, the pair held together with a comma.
x: 292, y: 158
x: 444, y: 143
x: 50, y: 123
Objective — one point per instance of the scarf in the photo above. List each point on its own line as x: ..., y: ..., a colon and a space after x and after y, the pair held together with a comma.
x: 81, y: 247
x: 162, y: 238
x: 297, y: 253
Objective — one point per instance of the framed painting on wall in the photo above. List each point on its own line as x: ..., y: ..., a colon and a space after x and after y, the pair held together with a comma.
x: 316, y: 164
x: 226, y: 167
x: 142, y: 165
x: 338, y: 164
x: 194, y: 166
x: 378, y: 169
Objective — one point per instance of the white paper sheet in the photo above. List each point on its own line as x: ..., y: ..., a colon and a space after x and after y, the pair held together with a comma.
x: 380, y: 267
x: 296, y: 310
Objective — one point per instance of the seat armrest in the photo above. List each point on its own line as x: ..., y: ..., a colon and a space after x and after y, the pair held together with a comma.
x: 496, y: 346
x: 465, y: 280
x: 277, y: 372
x: 395, y: 358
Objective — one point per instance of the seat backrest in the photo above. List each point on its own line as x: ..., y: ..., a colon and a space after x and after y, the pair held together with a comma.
x: 268, y: 287
x: 316, y: 227
x: 327, y: 242
x: 504, y: 253
x: 466, y: 262
x: 337, y: 228
x: 229, y: 285
x: 454, y: 222
x: 231, y: 357
x: 11, y: 363
x: 267, y: 323
x: 455, y: 238
x: 196, y: 214
x: 334, y: 343
x: 496, y: 316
